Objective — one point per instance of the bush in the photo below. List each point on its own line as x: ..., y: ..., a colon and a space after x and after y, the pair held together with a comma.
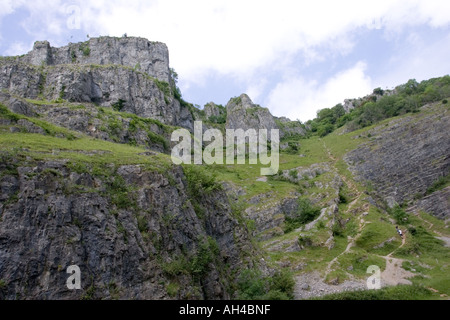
x: 438, y: 184
x: 306, y: 213
x: 118, y: 106
x: 252, y: 285
x: 337, y: 230
x: 400, y: 216
x: 342, y: 197
x: 85, y: 49
x: 325, y: 129
x: 305, y: 241
x: 221, y: 119
x: 282, y: 284
x: 200, y: 181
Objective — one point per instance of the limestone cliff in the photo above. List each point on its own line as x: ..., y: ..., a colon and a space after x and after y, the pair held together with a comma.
x: 406, y: 156
x: 133, y: 231
x: 128, y: 74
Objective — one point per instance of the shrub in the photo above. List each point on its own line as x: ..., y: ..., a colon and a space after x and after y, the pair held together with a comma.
x: 400, y: 216
x: 306, y: 213
x: 85, y: 49
x: 200, y: 181
x: 342, y: 197
x: 305, y: 241
x: 438, y: 184
x: 337, y: 230
x: 221, y: 119
x: 252, y: 285
x: 293, y: 174
x: 118, y: 106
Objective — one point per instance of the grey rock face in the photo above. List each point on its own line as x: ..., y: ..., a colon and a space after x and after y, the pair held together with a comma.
x: 146, y: 56
x: 290, y: 128
x: 242, y: 113
x: 130, y: 74
x: 130, y: 91
x: 212, y: 110
x: 437, y: 204
x: 405, y: 157
x: 52, y: 217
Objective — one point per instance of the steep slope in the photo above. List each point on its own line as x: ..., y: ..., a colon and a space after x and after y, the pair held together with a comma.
x: 83, y: 182
x: 327, y: 222
x: 411, y: 154
x: 132, y: 221
x: 80, y: 187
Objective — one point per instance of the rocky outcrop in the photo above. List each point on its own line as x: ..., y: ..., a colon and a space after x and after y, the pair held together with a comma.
x: 406, y: 156
x: 133, y: 233
x: 213, y: 110
x: 91, y: 120
x: 242, y: 113
x: 130, y: 75
x: 269, y: 214
x: 290, y: 128
x: 149, y: 57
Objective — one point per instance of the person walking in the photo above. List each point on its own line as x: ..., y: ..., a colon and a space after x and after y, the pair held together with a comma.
x: 399, y: 232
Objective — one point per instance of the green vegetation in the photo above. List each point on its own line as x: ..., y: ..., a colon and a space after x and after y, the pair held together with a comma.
x: 221, y: 119
x: 406, y: 98
x: 48, y: 128
x: 439, y: 184
x: 195, y: 265
x: 253, y: 285
x: 164, y: 87
x: 172, y: 289
x: 114, y: 125
x: 200, y: 181
x: 85, y: 49
x: 400, y: 216
x: 120, y: 193
x: 306, y: 213
x: 73, y: 55
x: 118, y: 106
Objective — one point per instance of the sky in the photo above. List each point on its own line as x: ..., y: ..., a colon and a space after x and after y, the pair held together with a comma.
x: 293, y: 57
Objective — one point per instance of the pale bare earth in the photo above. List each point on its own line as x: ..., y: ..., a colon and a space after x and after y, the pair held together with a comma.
x: 394, y: 274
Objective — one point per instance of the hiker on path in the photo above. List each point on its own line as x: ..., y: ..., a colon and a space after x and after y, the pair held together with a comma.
x: 399, y: 232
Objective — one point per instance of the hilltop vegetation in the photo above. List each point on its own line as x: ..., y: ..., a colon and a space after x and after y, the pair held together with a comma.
x: 381, y: 105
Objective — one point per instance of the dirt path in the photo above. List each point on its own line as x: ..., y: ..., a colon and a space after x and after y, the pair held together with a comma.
x: 394, y: 273
x: 362, y: 223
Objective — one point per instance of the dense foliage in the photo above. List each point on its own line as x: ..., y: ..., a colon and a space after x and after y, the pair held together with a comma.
x: 381, y: 105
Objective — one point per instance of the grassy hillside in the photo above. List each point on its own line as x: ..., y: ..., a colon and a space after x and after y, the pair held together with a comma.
x: 340, y: 244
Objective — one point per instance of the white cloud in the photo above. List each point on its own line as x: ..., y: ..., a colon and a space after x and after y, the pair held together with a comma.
x: 18, y: 48
x: 297, y: 98
x: 242, y: 39
x: 8, y: 6
x: 236, y: 37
